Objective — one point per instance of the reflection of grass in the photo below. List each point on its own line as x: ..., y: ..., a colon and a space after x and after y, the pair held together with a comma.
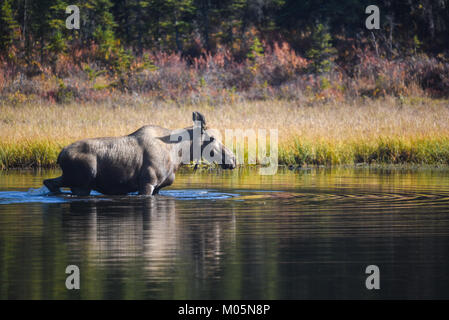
x: 381, y: 131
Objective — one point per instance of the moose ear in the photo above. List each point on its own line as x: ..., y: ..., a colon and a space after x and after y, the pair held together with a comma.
x: 196, y: 116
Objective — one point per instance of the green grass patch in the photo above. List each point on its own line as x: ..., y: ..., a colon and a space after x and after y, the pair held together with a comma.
x: 26, y: 154
x: 432, y: 151
x: 429, y: 151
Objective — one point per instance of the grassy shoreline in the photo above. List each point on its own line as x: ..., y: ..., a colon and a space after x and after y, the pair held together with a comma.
x: 382, y: 131
x: 43, y: 154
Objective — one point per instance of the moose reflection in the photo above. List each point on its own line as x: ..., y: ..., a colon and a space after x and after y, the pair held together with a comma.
x: 149, y: 230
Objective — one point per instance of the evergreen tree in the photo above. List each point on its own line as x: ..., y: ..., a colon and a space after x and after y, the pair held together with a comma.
x: 37, y: 28
x: 321, y: 52
x: 8, y: 25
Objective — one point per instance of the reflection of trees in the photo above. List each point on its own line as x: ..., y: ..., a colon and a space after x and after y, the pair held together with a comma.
x: 32, y: 253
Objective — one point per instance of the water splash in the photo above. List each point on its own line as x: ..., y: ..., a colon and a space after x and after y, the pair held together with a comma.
x: 43, y: 195
x: 42, y: 191
x: 10, y: 197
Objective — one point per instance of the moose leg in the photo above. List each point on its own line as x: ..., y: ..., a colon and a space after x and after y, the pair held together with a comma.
x: 77, y: 191
x: 54, y: 184
x: 79, y: 174
x: 167, y: 182
x: 148, y: 182
x: 146, y: 189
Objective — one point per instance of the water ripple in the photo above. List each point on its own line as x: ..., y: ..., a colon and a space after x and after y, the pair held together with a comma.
x: 343, y: 196
x: 311, y: 196
x: 42, y: 195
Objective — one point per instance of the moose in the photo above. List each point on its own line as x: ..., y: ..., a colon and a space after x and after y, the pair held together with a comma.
x: 144, y: 161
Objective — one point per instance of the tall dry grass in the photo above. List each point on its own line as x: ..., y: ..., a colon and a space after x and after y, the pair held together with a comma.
x: 386, y: 130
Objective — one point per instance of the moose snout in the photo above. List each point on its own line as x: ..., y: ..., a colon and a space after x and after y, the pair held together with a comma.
x: 231, y: 164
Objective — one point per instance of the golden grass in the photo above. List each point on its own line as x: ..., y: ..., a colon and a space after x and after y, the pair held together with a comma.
x: 410, y: 130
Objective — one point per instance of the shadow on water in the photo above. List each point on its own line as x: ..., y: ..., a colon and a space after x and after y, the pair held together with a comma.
x: 220, y: 235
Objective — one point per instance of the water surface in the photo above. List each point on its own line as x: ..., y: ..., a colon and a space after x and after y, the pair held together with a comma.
x: 231, y: 235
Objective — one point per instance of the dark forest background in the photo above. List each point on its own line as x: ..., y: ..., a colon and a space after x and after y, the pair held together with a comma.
x: 266, y: 46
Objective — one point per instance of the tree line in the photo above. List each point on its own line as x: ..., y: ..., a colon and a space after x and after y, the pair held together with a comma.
x: 33, y: 33
x: 190, y: 26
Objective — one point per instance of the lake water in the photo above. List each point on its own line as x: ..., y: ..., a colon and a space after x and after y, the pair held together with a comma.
x: 218, y: 234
